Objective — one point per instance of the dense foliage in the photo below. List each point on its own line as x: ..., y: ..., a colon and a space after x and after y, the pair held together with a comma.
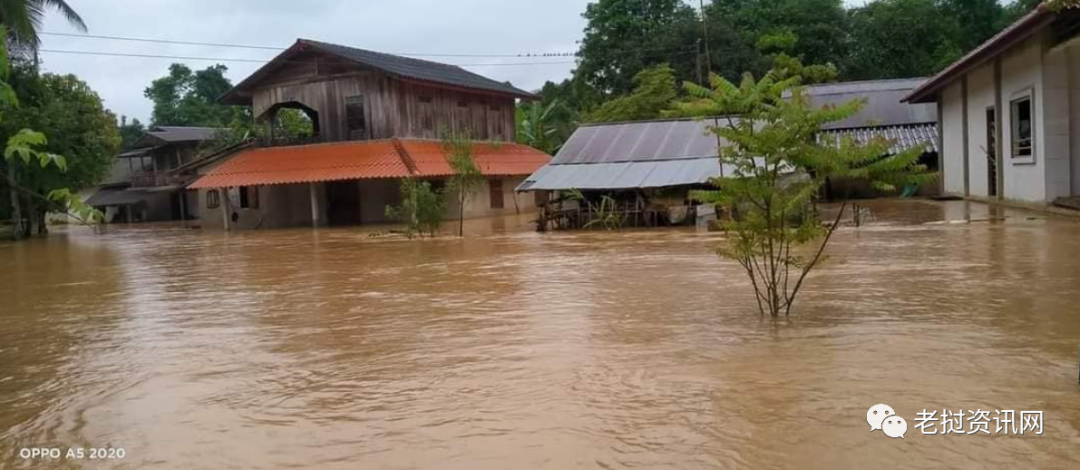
x: 779, y: 167
x: 189, y: 98
x: 421, y: 209
x: 878, y: 40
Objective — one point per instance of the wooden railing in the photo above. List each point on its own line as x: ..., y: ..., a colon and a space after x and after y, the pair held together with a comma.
x: 151, y: 179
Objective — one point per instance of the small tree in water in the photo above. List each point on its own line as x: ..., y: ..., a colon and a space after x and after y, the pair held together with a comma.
x: 421, y: 208
x: 780, y: 165
x: 467, y: 178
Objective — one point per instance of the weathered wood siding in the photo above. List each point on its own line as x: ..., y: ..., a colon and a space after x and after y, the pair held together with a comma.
x: 393, y: 108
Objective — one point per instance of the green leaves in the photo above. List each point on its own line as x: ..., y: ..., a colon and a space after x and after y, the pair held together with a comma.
x: 22, y: 146
x: 780, y: 161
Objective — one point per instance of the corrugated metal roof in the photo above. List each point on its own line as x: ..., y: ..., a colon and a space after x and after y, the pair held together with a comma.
x: 883, y: 106
x: 901, y: 137
x: 139, y: 152
x: 638, y: 141
x: 363, y: 160
x: 184, y: 134
x: 403, y: 67
x: 624, y: 175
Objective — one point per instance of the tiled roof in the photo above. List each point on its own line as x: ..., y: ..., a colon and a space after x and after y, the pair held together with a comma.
x: 363, y: 160
x: 418, y: 69
x: 397, y: 66
x: 493, y: 159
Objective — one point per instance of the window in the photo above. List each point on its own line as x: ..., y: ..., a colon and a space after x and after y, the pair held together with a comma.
x: 355, y: 119
x: 427, y: 116
x: 1023, y: 146
x: 425, y: 99
x: 213, y: 199
x: 249, y: 197
x: 496, y: 189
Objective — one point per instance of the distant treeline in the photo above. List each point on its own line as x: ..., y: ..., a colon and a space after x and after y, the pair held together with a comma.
x: 881, y: 39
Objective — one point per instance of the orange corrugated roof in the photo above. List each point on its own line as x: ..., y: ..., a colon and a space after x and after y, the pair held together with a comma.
x: 363, y: 160
x: 493, y: 159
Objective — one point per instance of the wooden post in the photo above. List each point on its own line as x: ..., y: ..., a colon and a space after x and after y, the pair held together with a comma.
x: 225, y: 207
x: 183, y: 207
x: 314, y: 206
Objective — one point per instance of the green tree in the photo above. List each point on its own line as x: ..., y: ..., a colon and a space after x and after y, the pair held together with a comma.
x: 467, y: 178
x: 130, y: 132
x: 654, y: 93
x: 29, y: 167
x: 902, y: 38
x: 421, y: 208
x: 779, y: 168
x: 189, y: 98
x: 534, y: 126
x: 23, y: 19
x: 624, y: 37
x: 813, y: 31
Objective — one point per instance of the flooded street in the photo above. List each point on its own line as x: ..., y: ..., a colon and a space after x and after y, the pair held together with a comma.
x: 333, y: 349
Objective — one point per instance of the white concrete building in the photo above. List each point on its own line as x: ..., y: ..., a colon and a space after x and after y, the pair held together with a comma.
x: 1009, y: 113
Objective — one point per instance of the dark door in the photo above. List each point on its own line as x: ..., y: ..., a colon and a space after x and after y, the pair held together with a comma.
x: 343, y: 203
x: 991, y: 152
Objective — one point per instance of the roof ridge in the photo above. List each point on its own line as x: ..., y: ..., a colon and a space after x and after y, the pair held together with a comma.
x: 406, y: 158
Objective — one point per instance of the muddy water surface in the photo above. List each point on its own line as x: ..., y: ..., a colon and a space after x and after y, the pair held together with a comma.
x: 509, y: 349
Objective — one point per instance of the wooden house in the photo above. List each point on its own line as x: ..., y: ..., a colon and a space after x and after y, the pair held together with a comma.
x: 376, y: 118
x: 144, y: 186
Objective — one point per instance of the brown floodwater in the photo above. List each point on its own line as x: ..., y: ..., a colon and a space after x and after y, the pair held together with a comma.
x: 334, y: 349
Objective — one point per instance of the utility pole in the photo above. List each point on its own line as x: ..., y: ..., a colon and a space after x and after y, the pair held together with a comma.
x: 705, y: 36
x: 697, y: 50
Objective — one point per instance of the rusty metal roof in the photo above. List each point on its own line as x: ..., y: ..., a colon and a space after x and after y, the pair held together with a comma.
x: 395, y: 158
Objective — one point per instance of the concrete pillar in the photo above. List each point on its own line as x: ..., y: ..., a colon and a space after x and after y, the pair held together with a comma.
x: 314, y: 205
x: 225, y: 210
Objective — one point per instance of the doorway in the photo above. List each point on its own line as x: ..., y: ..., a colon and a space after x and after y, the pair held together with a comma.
x: 343, y: 203
x: 991, y: 152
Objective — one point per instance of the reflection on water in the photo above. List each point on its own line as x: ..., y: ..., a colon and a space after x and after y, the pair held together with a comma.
x: 509, y: 349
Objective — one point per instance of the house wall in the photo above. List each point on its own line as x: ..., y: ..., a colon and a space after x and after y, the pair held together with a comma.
x: 1025, y: 180
x: 479, y: 205
x: 952, y: 116
x: 980, y: 98
x: 280, y: 206
x: 1072, y: 60
x: 393, y: 108
x: 1051, y: 75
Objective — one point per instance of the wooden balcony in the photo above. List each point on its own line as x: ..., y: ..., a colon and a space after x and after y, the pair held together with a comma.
x: 151, y: 179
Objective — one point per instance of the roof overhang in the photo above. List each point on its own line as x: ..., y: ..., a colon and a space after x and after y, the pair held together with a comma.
x: 1017, y: 32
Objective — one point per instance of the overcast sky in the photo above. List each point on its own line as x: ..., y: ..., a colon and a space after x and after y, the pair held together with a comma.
x: 395, y: 26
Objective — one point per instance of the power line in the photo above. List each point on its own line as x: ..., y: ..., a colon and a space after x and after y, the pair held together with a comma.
x: 257, y: 61
x: 406, y: 54
x: 272, y: 48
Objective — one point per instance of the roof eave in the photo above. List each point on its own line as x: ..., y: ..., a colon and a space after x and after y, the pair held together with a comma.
x: 1010, y: 36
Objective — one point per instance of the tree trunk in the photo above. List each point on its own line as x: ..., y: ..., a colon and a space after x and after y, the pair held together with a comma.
x: 43, y: 227
x: 16, y: 212
x: 32, y: 216
x: 461, y: 215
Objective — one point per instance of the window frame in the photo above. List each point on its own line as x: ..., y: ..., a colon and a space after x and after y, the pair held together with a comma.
x: 249, y: 197
x: 350, y: 102
x: 493, y: 184
x: 213, y: 199
x: 1015, y: 102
